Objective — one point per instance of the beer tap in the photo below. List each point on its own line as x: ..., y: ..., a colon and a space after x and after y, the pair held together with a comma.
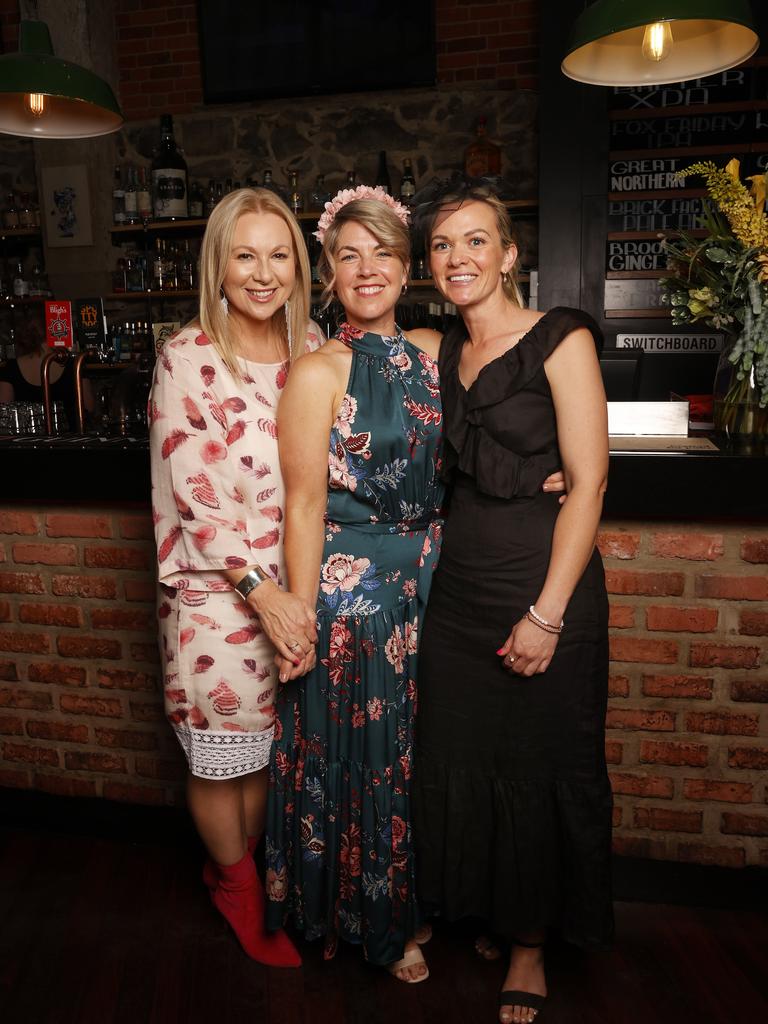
x: 60, y: 355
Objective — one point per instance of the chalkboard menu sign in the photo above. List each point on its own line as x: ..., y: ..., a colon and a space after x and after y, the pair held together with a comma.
x: 656, y: 131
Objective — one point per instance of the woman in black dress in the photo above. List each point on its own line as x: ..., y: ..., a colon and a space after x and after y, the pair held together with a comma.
x: 512, y: 802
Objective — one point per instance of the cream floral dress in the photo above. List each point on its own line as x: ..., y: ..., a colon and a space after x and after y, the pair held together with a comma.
x: 217, y: 503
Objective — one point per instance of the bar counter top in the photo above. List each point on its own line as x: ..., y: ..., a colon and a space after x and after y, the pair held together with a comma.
x: 726, y: 482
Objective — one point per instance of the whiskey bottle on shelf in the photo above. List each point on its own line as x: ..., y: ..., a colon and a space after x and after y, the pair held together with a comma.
x: 408, y: 184
x: 118, y: 198
x: 382, y: 174
x: 143, y: 198
x: 158, y: 267
x: 196, y: 201
x: 482, y: 157
x: 209, y: 202
x: 169, y: 175
x: 295, y: 198
x: 10, y: 213
x: 131, y: 198
x: 319, y: 195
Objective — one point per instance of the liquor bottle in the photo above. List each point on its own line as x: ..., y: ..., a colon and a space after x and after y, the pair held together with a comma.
x: 186, y: 272
x: 158, y: 267
x: 118, y: 198
x: 351, y: 179
x: 295, y: 198
x: 319, y: 195
x: 382, y: 174
x: 143, y: 198
x: 210, y: 198
x: 227, y: 186
x: 408, y: 184
x: 169, y: 175
x: 10, y: 213
x: 482, y: 157
x: 26, y: 218
x: 131, y: 198
x: 20, y: 282
x: 196, y: 201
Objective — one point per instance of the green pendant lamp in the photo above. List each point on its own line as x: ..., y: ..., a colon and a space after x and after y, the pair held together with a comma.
x: 44, y: 97
x: 654, y: 42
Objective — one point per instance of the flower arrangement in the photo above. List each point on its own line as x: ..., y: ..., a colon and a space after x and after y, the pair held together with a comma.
x: 348, y: 195
x: 722, y: 278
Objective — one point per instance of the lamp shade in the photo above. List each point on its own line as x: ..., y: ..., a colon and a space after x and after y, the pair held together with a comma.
x: 43, y: 97
x: 606, y: 45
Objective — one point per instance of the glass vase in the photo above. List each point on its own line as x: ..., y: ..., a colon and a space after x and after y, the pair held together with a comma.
x: 737, y: 412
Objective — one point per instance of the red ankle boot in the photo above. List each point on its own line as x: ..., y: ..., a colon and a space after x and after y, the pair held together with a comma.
x: 240, y: 899
x: 211, y: 872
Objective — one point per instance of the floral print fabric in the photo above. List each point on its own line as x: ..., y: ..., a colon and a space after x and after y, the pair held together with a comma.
x: 339, y: 845
x: 217, y: 503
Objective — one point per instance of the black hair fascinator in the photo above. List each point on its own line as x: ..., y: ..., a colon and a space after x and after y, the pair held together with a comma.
x: 458, y: 188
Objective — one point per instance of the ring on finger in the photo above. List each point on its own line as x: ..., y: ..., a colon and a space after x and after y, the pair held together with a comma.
x: 292, y: 645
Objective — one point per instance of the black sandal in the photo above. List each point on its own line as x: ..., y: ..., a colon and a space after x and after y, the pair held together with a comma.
x: 516, y: 997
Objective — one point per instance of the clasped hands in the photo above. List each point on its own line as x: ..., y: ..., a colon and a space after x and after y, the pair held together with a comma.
x: 290, y: 624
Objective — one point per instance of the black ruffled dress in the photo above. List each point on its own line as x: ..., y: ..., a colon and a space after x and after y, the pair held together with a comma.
x: 512, y: 804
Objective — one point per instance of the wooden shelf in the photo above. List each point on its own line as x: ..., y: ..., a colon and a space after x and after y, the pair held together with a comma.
x: 159, y: 226
x: 136, y: 296
x: 33, y: 300
x: 20, y: 233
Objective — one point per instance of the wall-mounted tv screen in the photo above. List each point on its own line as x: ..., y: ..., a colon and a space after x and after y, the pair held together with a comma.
x: 310, y: 47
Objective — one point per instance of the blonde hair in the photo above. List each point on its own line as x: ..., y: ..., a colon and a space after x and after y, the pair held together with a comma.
x: 214, y: 256
x: 479, y: 194
x: 381, y: 221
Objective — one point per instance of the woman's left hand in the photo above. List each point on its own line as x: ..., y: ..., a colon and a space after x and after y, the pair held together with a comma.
x: 287, y: 670
x: 528, y: 649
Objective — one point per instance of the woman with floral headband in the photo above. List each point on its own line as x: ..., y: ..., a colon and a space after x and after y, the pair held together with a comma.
x: 362, y: 532
x: 512, y: 804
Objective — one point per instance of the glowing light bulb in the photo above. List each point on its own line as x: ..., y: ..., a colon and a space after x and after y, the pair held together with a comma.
x: 35, y: 103
x: 657, y: 41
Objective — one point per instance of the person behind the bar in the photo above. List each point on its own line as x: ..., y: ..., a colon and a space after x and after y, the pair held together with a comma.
x: 512, y: 805
x: 218, y: 510
x: 362, y: 531
x: 21, y: 377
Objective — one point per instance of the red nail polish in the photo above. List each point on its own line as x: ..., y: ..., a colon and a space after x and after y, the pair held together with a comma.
x: 500, y: 650
x: 296, y: 662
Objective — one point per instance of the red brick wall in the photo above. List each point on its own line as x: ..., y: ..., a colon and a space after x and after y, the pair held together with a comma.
x: 687, y: 736
x: 159, y: 58
x: 80, y: 706
x: 687, y: 725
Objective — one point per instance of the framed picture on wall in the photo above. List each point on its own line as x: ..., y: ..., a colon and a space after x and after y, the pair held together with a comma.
x: 66, y: 205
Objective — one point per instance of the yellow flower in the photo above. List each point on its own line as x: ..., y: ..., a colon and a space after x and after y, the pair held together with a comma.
x: 762, y: 274
x: 758, y: 191
x: 748, y: 222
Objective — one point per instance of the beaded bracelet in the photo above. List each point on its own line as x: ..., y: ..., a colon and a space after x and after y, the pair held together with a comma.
x: 533, y: 616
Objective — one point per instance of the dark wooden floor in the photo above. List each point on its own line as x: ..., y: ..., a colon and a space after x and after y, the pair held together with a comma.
x: 104, y: 931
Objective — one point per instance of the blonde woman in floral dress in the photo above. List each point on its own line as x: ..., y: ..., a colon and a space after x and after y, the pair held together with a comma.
x: 359, y: 432
x: 218, y: 511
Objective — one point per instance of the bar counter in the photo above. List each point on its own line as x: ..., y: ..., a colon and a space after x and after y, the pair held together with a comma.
x: 729, y: 482
x: 685, y: 544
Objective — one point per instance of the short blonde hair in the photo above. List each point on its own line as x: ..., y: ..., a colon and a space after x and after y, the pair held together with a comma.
x: 214, y: 255
x: 381, y: 221
x: 479, y: 194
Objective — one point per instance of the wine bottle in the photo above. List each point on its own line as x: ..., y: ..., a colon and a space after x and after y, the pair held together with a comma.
x: 118, y: 198
x: 382, y: 174
x: 131, y: 198
x: 169, y: 175
x: 143, y: 198
x: 408, y: 184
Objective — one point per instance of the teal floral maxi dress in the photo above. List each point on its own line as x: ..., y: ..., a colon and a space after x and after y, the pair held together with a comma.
x: 339, y: 850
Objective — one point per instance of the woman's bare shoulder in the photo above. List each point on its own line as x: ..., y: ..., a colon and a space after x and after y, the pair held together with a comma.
x: 426, y: 339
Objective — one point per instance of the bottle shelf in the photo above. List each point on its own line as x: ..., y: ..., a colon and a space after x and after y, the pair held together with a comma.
x: 186, y: 293
x: 31, y: 300
x: 161, y: 226
x: 20, y: 233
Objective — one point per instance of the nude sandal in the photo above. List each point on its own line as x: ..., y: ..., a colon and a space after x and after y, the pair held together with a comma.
x: 413, y: 956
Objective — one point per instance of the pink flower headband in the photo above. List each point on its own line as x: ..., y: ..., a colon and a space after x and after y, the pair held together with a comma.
x: 348, y: 195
